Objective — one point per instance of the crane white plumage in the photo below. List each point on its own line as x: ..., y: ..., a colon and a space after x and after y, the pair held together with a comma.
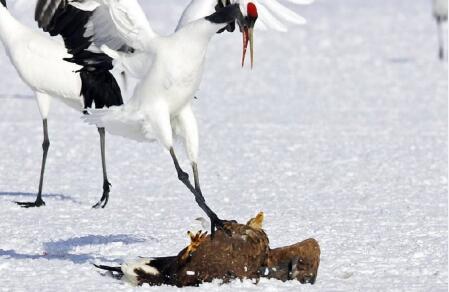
x: 39, y: 60
x: 440, y: 14
x: 161, y: 103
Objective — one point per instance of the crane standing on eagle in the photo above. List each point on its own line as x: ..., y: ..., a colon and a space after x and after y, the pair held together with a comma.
x: 169, y: 67
x: 98, y: 34
x: 160, y: 105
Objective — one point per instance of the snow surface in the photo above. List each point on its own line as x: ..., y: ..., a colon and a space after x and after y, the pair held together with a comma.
x: 339, y: 133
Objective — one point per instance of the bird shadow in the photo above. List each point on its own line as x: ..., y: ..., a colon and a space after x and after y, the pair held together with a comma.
x: 60, y: 197
x: 61, y: 249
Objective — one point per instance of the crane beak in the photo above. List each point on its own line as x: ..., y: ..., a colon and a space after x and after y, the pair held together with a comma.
x: 248, y: 38
x: 246, y: 24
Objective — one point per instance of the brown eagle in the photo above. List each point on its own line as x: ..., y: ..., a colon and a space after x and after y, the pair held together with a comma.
x: 235, y: 252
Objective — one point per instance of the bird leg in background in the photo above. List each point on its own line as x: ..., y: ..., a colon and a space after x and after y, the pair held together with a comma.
x: 106, y: 185
x: 440, y: 39
x: 184, y: 178
x: 45, y: 146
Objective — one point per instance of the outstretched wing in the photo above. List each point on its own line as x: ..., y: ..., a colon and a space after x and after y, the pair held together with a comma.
x: 97, y: 83
x: 120, y: 25
x: 273, y: 14
x: 112, y: 29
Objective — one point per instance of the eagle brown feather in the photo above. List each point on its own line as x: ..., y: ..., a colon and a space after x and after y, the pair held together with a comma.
x: 235, y: 252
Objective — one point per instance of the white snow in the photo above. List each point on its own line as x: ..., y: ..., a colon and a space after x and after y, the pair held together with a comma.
x: 339, y: 133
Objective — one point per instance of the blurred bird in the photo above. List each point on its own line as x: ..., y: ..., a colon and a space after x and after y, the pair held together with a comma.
x: 40, y: 63
x: 169, y: 68
x: 440, y: 14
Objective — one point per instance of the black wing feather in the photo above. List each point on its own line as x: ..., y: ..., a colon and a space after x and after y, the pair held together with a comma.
x: 231, y: 26
x: 98, y: 85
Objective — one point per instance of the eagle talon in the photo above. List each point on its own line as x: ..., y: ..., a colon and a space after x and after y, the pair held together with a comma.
x: 196, y: 239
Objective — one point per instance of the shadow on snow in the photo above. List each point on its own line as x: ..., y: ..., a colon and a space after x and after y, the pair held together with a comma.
x: 60, y: 250
x: 60, y: 197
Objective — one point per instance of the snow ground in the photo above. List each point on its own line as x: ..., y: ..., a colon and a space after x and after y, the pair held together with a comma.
x: 339, y: 133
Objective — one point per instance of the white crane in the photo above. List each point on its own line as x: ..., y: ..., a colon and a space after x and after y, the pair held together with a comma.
x: 39, y: 60
x: 170, y: 67
x: 440, y: 14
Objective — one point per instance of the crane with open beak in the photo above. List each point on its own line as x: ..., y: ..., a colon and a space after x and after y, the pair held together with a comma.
x: 246, y: 24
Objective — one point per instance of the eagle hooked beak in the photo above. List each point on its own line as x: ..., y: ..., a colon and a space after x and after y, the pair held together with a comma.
x: 246, y: 25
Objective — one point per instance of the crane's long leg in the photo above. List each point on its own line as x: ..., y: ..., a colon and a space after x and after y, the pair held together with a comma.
x: 45, y: 146
x: 199, y: 198
x: 106, y: 185
x: 196, y: 177
x: 440, y: 40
